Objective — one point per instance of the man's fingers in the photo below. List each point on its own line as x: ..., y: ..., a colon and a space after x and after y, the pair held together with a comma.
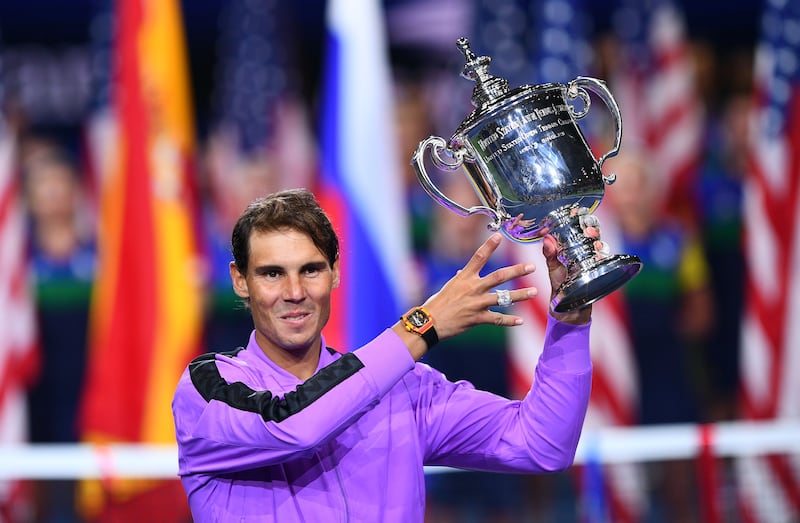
x: 590, y: 225
x: 588, y: 220
x: 481, y: 256
x: 506, y: 297
x: 592, y: 232
x: 500, y: 276
x: 506, y: 320
x: 602, y: 249
x: 549, y: 247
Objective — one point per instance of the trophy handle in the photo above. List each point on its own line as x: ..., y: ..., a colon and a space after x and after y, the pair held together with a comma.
x: 576, y: 88
x: 450, y: 161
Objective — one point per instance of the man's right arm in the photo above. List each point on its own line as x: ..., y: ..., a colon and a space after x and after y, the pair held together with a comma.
x: 223, y: 425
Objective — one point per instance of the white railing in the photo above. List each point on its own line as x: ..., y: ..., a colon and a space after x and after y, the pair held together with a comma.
x: 619, y: 445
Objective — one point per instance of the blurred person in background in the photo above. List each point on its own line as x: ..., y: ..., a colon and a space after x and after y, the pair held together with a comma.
x: 63, y: 263
x: 414, y: 123
x: 478, y: 356
x: 670, y: 312
x: 231, y: 181
x: 720, y: 194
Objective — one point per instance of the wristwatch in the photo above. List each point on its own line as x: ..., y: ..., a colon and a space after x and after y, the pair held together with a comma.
x: 418, y: 321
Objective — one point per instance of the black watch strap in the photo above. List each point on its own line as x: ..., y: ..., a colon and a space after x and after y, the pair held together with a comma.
x: 431, y: 337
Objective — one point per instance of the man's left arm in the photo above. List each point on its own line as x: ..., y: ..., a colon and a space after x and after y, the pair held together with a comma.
x: 482, y: 431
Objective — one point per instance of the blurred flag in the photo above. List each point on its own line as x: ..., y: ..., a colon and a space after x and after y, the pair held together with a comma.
x: 261, y: 140
x: 18, y: 342
x: 541, y: 42
x: 593, y: 488
x: 653, y: 79
x: 146, y: 308
x: 361, y: 185
x: 770, y: 486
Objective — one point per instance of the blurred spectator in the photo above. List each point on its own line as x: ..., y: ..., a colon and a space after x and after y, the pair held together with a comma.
x: 720, y: 195
x: 232, y: 185
x: 478, y: 357
x: 670, y: 313
x: 63, y: 263
x: 414, y: 124
x: 259, y: 141
x: 669, y: 302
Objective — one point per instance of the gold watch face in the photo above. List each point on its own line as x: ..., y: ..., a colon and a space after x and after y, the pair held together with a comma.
x: 417, y: 318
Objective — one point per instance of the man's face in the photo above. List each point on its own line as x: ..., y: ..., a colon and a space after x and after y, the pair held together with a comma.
x: 288, y: 283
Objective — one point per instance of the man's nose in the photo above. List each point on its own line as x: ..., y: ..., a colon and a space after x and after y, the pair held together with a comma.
x: 294, y: 289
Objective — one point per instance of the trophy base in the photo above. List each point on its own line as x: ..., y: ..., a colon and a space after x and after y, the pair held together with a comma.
x: 588, y: 286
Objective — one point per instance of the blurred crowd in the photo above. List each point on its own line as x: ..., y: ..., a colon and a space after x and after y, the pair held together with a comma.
x: 683, y: 310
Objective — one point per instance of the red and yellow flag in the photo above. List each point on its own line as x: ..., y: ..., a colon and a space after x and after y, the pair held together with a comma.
x: 146, y: 308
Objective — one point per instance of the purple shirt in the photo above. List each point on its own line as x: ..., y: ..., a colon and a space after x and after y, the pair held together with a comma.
x: 349, y: 444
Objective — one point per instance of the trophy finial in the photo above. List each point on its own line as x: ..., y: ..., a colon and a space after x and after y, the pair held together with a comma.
x: 487, y: 87
x: 463, y: 44
x: 476, y: 68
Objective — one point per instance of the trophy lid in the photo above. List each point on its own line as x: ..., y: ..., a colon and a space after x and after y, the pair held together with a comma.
x: 488, y: 88
x: 491, y: 93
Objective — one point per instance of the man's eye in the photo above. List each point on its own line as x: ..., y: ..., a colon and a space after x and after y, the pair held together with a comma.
x: 271, y: 274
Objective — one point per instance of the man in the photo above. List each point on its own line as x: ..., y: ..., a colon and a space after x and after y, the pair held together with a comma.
x: 289, y: 430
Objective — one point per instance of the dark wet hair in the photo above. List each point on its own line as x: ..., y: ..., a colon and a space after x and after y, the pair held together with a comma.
x: 296, y: 209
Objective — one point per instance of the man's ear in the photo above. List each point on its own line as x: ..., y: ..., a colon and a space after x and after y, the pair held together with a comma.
x: 239, y: 281
x: 336, y: 273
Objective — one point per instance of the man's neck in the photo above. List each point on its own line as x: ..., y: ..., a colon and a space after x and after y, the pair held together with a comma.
x: 301, y: 363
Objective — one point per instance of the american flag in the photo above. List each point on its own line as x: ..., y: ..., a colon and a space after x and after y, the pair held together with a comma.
x: 18, y: 343
x: 654, y: 82
x: 540, y: 42
x: 770, y: 487
x: 652, y: 77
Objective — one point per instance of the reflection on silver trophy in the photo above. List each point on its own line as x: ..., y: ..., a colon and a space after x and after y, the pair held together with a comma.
x: 532, y: 168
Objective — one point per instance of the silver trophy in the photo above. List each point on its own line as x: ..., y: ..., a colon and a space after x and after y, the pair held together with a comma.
x: 532, y: 168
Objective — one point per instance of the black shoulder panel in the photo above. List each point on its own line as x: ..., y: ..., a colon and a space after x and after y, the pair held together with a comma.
x: 211, y: 386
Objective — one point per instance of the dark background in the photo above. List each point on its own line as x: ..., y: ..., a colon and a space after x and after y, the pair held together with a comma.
x: 56, y: 24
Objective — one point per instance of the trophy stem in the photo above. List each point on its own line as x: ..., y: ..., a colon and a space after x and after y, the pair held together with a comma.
x: 589, y: 278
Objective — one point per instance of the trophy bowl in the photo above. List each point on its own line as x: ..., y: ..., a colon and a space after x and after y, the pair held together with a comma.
x: 532, y: 169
